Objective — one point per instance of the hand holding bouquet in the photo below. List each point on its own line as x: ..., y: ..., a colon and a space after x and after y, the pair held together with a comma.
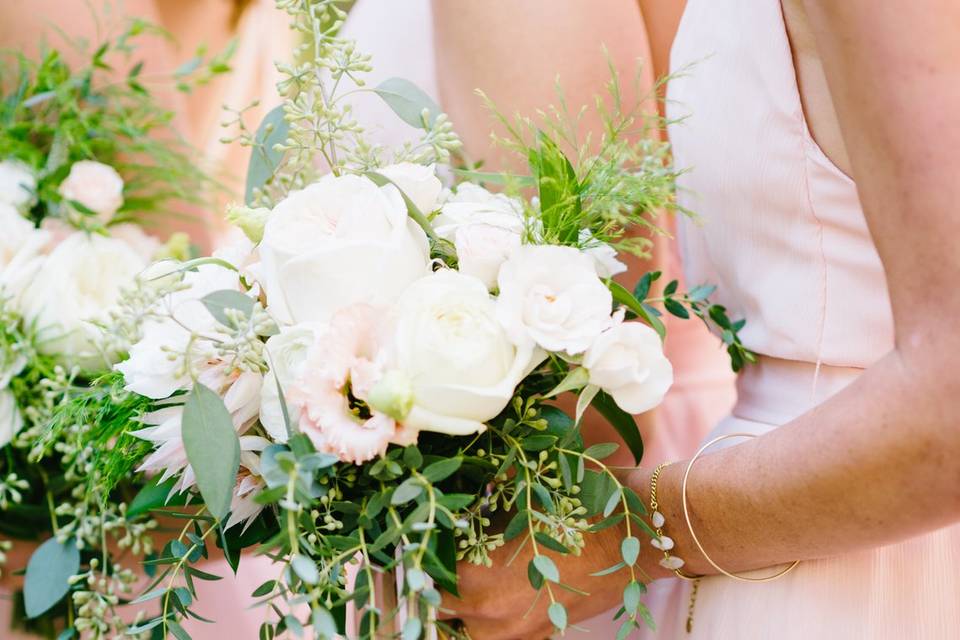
x: 358, y: 388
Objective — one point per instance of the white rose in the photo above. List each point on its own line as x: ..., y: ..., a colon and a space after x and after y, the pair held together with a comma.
x: 18, y: 233
x: 604, y: 256
x: 21, y: 253
x: 11, y: 421
x: 418, y: 182
x: 483, y: 248
x: 96, y: 186
x: 461, y: 365
x: 288, y: 351
x: 145, y: 245
x: 340, y: 241
x: 485, y: 228
x: 627, y: 361
x: 18, y: 185
x: 551, y: 295
x: 75, y: 286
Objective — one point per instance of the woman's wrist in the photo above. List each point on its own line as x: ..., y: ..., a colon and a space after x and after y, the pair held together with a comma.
x: 670, y: 507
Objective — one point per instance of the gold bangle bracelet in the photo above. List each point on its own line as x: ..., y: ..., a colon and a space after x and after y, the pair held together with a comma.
x: 693, y: 535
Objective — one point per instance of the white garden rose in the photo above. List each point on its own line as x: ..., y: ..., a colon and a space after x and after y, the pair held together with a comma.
x: 18, y: 185
x: 418, y: 182
x: 461, y: 365
x: 18, y: 233
x: 627, y: 361
x: 604, y: 256
x: 551, y: 295
x: 21, y: 249
x: 96, y: 186
x: 76, y: 285
x: 485, y: 228
x: 483, y: 248
x: 341, y: 240
x: 11, y: 421
x: 288, y: 351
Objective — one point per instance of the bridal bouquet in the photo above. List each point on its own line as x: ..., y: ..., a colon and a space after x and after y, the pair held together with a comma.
x: 81, y: 167
x: 362, y: 387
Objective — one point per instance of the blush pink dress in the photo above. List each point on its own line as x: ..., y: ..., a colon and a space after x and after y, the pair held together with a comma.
x: 784, y: 237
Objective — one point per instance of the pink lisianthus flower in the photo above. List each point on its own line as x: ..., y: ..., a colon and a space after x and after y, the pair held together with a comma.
x: 342, y: 366
x: 241, y: 395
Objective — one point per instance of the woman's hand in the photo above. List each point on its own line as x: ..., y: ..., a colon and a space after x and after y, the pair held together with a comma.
x: 498, y: 602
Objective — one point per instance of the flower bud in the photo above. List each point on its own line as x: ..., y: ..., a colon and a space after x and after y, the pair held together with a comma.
x: 250, y: 221
x: 392, y: 395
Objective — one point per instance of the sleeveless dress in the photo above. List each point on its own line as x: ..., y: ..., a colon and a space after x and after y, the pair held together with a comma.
x: 783, y: 235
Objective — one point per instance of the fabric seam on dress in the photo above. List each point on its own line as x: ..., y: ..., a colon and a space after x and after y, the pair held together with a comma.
x: 805, y: 139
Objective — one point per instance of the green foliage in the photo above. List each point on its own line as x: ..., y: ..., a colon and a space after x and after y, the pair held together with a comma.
x: 212, y: 447
x: 594, y: 188
x: 48, y: 573
x: 52, y: 115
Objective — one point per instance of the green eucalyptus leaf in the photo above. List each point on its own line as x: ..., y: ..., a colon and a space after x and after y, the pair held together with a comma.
x: 558, y: 615
x: 547, y: 568
x: 305, y: 568
x: 608, y: 570
x: 631, y: 597
x: 442, y: 469
x: 630, y: 550
x: 154, y: 495
x: 324, y: 625
x: 602, y: 450
x: 411, y: 629
x: 612, y: 502
x: 178, y: 632
x: 217, y: 303
x: 517, y: 525
x: 212, y: 448
x: 408, y: 101
x: 407, y: 491
x: 264, y: 159
x: 550, y: 543
x: 48, y: 575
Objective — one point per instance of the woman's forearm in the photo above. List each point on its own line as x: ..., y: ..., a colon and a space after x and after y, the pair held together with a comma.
x: 877, y: 463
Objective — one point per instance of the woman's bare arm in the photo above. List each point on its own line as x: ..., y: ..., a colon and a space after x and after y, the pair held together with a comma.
x: 515, y: 50
x: 880, y: 461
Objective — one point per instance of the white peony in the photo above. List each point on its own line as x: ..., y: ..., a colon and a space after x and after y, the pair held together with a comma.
x: 418, y: 182
x: 486, y: 228
x: 461, y: 365
x: 627, y: 361
x: 288, y: 352
x: 18, y: 185
x: 551, y: 295
x: 96, y: 186
x: 341, y: 240
x: 76, y: 286
x: 11, y: 421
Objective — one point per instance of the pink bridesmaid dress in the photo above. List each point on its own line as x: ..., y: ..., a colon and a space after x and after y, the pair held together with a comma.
x: 784, y: 238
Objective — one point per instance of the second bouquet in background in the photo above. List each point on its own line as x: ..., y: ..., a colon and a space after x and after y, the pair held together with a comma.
x: 357, y: 387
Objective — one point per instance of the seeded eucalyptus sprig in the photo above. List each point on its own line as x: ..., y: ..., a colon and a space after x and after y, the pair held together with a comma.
x: 313, y: 130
